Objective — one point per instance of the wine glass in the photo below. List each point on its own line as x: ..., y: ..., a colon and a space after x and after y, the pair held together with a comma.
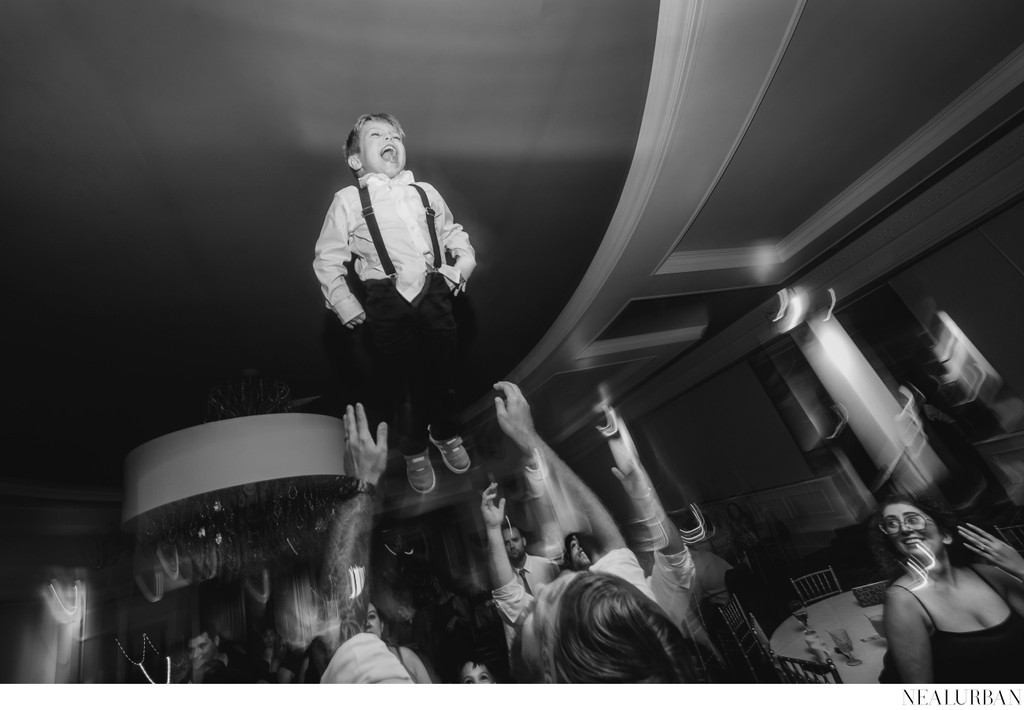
x: 844, y: 645
x: 799, y: 611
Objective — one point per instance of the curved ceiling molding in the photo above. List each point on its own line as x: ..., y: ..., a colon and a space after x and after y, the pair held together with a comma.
x: 679, y: 26
x: 680, y: 262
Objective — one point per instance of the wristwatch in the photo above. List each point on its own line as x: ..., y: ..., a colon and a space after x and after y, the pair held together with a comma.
x: 365, y: 487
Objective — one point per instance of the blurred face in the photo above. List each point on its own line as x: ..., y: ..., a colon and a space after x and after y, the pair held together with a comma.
x: 381, y: 150
x: 269, y: 638
x: 475, y: 673
x: 201, y: 650
x: 909, y: 529
x: 515, y: 545
x: 578, y: 559
x: 373, y: 623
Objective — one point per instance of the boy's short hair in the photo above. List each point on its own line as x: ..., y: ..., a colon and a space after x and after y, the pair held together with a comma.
x: 352, y: 142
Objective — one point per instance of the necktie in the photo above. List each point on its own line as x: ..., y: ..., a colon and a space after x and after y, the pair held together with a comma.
x: 526, y: 585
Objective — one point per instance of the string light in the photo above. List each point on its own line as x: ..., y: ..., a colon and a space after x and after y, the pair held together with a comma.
x: 832, y: 294
x: 158, y: 586
x: 139, y: 663
x: 694, y: 535
x: 56, y: 596
x: 263, y: 594
x: 918, y: 570
x: 356, y: 578
x: 163, y: 563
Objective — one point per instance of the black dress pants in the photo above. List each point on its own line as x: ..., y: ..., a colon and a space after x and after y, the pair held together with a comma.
x: 417, y: 344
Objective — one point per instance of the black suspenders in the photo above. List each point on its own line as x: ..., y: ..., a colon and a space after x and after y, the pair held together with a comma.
x: 378, y: 241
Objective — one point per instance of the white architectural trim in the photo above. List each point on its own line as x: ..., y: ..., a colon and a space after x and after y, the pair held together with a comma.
x: 599, y: 348
x: 794, y: 20
x: 679, y: 29
x: 992, y: 87
x: 712, y: 259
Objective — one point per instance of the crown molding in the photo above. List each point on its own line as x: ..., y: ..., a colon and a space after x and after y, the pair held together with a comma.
x: 992, y: 87
x: 714, y: 259
x: 670, y: 262
x: 600, y: 348
x: 971, y: 193
x: 679, y: 29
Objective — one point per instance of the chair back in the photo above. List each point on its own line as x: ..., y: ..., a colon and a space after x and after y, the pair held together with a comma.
x: 798, y: 670
x: 745, y: 639
x: 870, y: 594
x: 734, y: 616
x: 816, y: 585
x: 760, y: 637
x: 1013, y: 535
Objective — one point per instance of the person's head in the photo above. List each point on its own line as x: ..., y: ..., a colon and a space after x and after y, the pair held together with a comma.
x: 904, y: 524
x: 376, y: 144
x: 515, y: 544
x: 473, y: 672
x: 202, y: 648
x: 269, y: 636
x: 591, y: 627
x: 375, y: 621
x: 576, y: 557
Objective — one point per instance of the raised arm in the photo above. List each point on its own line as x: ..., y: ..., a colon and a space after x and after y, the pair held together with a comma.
x: 498, y: 565
x: 662, y: 535
x: 346, y: 567
x: 515, y: 420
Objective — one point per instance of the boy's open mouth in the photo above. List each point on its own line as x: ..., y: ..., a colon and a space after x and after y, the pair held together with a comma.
x: 389, y: 153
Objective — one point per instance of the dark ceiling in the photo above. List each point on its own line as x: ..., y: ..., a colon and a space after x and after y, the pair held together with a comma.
x: 167, y: 168
x: 637, y: 177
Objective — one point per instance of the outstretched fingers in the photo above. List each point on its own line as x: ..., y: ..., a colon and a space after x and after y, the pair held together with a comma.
x: 350, y: 423
x: 362, y: 427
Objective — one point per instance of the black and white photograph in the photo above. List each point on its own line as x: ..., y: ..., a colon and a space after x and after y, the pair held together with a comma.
x: 514, y: 342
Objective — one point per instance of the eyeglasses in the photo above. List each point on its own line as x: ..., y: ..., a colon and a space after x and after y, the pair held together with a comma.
x: 913, y: 522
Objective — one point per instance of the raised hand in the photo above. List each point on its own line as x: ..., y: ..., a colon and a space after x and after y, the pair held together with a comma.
x: 365, y: 458
x: 514, y: 415
x: 627, y: 469
x: 992, y: 550
x: 493, y: 514
x: 633, y: 479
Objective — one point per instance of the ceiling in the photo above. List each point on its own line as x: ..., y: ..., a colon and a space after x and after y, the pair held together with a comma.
x: 638, y: 179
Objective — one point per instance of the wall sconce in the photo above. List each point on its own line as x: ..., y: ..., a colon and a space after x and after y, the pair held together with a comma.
x: 795, y: 304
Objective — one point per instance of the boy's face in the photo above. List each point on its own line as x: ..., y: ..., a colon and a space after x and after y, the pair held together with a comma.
x: 381, y: 150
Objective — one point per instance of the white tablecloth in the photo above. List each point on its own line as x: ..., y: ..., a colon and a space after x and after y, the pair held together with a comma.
x: 838, y: 612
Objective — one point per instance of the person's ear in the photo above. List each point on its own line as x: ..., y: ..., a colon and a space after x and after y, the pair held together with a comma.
x: 216, y: 640
x: 947, y: 539
x: 355, y: 163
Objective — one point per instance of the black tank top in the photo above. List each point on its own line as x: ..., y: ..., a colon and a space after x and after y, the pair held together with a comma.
x: 992, y: 655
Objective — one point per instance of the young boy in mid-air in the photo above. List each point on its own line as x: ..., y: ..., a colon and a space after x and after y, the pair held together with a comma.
x: 399, y: 232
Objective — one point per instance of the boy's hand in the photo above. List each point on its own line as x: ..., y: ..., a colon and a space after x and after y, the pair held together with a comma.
x: 356, y: 320
x: 456, y: 282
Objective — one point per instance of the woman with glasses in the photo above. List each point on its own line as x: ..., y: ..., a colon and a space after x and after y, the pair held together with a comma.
x: 948, y: 619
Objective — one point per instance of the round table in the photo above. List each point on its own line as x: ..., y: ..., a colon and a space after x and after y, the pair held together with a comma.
x: 839, y: 612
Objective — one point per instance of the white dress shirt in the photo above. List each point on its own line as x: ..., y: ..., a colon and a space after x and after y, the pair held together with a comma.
x: 403, y: 228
